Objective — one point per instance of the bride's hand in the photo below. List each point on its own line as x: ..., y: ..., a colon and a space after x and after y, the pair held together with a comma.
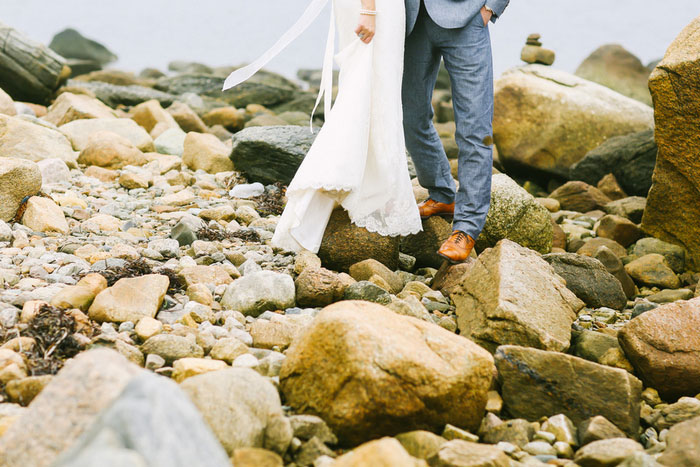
x: 366, y: 28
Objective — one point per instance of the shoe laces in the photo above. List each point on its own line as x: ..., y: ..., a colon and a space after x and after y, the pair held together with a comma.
x: 460, y: 236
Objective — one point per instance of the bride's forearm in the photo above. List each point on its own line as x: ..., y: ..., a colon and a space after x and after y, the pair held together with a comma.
x: 368, y: 4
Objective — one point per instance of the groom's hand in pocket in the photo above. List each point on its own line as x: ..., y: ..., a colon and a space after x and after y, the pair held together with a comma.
x: 486, y: 14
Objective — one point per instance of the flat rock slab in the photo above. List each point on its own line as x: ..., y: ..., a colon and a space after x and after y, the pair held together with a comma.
x: 512, y: 296
x: 537, y: 383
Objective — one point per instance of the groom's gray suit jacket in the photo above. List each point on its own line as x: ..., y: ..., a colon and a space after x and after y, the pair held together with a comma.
x: 451, y: 14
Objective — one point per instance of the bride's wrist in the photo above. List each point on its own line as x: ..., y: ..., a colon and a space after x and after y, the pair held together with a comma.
x: 368, y: 5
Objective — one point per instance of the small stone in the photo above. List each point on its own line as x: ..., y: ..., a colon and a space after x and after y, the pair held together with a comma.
x: 562, y: 428
x: 617, y: 228
x: 540, y: 448
x: 172, y: 347
x: 597, y: 428
x: 43, y: 215
x: 148, y: 327
x: 23, y: 391
x: 187, y: 367
x: 458, y: 453
x: 228, y: 349
x: 154, y: 362
x: 364, y: 270
x: 367, y: 291
x: 256, y: 457
x: 206, y: 152
x: 517, y: 431
x: 452, y: 432
x: 110, y: 151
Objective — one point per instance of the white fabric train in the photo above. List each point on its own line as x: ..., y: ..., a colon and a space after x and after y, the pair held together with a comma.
x: 358, y: 160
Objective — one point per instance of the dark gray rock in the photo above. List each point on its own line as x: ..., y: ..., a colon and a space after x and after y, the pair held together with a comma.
x: 271, y: 154
x: 631, y: 158
x: 615, y: 267
x: 185, y: 231
x: 114, y: 95
x: 69, y: 43
x: 152, y: 423
x: 537, y: 383
x: 589, y: 280
x: 266, y: 89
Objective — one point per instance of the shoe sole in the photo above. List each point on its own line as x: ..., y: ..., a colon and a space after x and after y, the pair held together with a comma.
x: 450, y: 260
x: 442, y: 214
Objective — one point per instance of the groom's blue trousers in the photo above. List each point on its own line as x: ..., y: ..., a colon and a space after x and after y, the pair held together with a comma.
x: 467, y: 55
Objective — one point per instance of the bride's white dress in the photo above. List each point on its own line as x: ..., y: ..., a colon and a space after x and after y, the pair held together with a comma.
x: 358, y: 160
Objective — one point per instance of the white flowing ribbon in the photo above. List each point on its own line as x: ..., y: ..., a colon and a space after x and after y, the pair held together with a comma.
x: 307, y: 18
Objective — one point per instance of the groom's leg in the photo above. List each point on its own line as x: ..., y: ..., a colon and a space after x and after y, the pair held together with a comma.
x: 467, y: 55
x: 421, y: 65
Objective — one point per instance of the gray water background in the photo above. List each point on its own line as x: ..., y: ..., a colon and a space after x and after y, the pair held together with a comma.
x: 151, y: 33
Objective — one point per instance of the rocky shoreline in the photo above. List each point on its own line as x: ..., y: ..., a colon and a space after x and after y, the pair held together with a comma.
x: 145, y: 319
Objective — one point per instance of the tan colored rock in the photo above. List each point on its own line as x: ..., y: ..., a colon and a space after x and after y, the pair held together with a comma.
x: 102, y: 174
x: 525, y: 97
x: 130, y: 299
x: 512, y: 296
x: 188, y: 367
x: 132, y: 181
x: 653, y: 270
x: 82, y: 294
x: 673, y: 206
x: 206, y: 152
x: 592, y: 245
x: 150, y: 113
x: 459, y: 453
x: 181, y: 198
x: 369, y: 372
x: 64, y: 409
x: 7, y: 105
x: 537, y: 383
x: 215, y: 275
x: 228, y: 349
x: 228, y: 117
x: 68, y: 107
x: 318, y: 287
x: 43, y: 215
x: 597, y: 428
x: 420, y: 443
x: 18, y: 178
x: 148, y: 327
x: 385, y: 452
x: 187, y: 118
x: 664, y: 348
x: 611, y: 188
x: 23, y: 139
x: 23, y: 391
x: 111, y: 151
x: 364, y: 270
x: 279, y: 332
x: 80, y: 131
x: 256, y: 457
x: 101, y: 223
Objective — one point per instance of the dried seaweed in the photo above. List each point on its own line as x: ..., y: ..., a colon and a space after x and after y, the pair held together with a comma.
x: 219, y: 235
x: 138, y: 268
x: 235, y: 179
x: 271, y: 202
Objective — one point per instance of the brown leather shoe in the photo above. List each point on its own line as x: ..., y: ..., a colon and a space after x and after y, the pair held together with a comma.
x: 457, y: 248
x: 433, y: 208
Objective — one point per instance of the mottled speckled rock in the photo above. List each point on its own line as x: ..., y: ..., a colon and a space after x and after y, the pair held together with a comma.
x: 18, y: 178
x: 369, y: 372
x: 516, y: 215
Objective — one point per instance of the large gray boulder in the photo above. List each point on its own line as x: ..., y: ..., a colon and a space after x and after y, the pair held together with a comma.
x: 69, y: 43
x: 65, y: 409
x: 512, y: 296
x: 616, y: 68
x: 630, y: 158
x: 271, y: 154
x: 152, y: 423
x: 537, y: 383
